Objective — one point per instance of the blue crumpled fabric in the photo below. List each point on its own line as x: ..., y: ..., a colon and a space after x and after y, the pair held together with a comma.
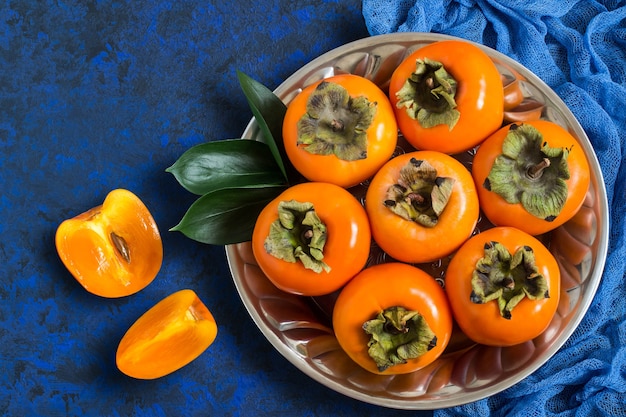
x: 579, y: 49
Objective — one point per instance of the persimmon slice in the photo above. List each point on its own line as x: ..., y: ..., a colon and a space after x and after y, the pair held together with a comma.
x: 113, y: 250
x: 167, y: 337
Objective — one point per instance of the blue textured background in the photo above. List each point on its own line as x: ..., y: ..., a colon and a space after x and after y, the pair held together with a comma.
x: 96, y: 95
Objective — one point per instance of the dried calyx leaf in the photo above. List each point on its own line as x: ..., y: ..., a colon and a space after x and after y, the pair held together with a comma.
x: 298, y: 235
x: 530, y: 172
x: 428, y: 95
x: 507, y: 279
x: 336, y: 123
x: 397, y: 335
x: 419, y: 195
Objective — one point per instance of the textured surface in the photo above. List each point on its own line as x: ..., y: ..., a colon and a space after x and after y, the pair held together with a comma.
x: 96, y: 95
x: 578, y: 48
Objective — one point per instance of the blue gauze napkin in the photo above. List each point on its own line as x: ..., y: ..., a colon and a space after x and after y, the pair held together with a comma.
x: 579, y: 49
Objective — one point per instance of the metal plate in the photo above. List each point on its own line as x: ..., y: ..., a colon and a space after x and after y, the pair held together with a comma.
x: 300, y: 327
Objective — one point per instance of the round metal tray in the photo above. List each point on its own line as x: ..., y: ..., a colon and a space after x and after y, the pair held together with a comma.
x: 300, y: 327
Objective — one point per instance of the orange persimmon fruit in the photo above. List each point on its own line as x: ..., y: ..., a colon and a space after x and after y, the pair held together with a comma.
x: 447, y: 96
x: 113, y: 250
x: 340, y: 130
x: 392, y: 318
x: 532, y: 175
x: 422, y: 206
x: 168, y: 336
x: 504, y: 287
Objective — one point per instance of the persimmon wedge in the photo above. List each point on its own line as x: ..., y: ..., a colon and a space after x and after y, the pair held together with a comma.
x: 113, y: 250
x: 166, y: 337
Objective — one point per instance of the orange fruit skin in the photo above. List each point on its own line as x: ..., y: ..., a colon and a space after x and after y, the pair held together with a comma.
x: 167, y: 337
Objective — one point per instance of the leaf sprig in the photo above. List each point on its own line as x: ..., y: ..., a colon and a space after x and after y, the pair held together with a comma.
x: 235, y: 178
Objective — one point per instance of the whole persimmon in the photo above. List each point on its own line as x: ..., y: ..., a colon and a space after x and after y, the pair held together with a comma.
x: 340, y: 130
x: 448, y: 96
x: 504, y: 287
x: 392, y: 318
x: 312, y: 239
x: 533, y: 176
x: 422, y: 206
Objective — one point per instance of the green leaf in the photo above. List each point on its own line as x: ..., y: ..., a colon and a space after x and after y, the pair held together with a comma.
x: 228, y: 163
x: 226, y: 216
x: 269, y: 112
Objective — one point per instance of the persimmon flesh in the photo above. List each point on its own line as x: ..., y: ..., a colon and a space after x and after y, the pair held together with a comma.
x: 168, y: 336
x: 113, y: 250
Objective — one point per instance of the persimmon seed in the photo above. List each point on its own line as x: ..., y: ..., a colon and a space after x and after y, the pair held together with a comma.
x: 122, y: 247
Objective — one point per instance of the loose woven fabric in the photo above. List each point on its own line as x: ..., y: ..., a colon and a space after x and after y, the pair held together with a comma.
x: 579, y: 49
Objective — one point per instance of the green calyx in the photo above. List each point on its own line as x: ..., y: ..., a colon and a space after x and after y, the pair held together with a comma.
x: 298, y: 235
x: 397, y: 335
x: 336, y: 123
x: 428, y: 95
x: 507, y: 279
x: 530, y: 172
x: 419, y: 195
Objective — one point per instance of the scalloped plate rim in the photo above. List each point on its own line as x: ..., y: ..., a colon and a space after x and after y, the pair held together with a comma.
x: 591, y: 283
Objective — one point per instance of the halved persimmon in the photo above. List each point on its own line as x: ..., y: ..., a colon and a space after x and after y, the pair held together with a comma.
x: 113, y: 250
x: 166, y: 337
